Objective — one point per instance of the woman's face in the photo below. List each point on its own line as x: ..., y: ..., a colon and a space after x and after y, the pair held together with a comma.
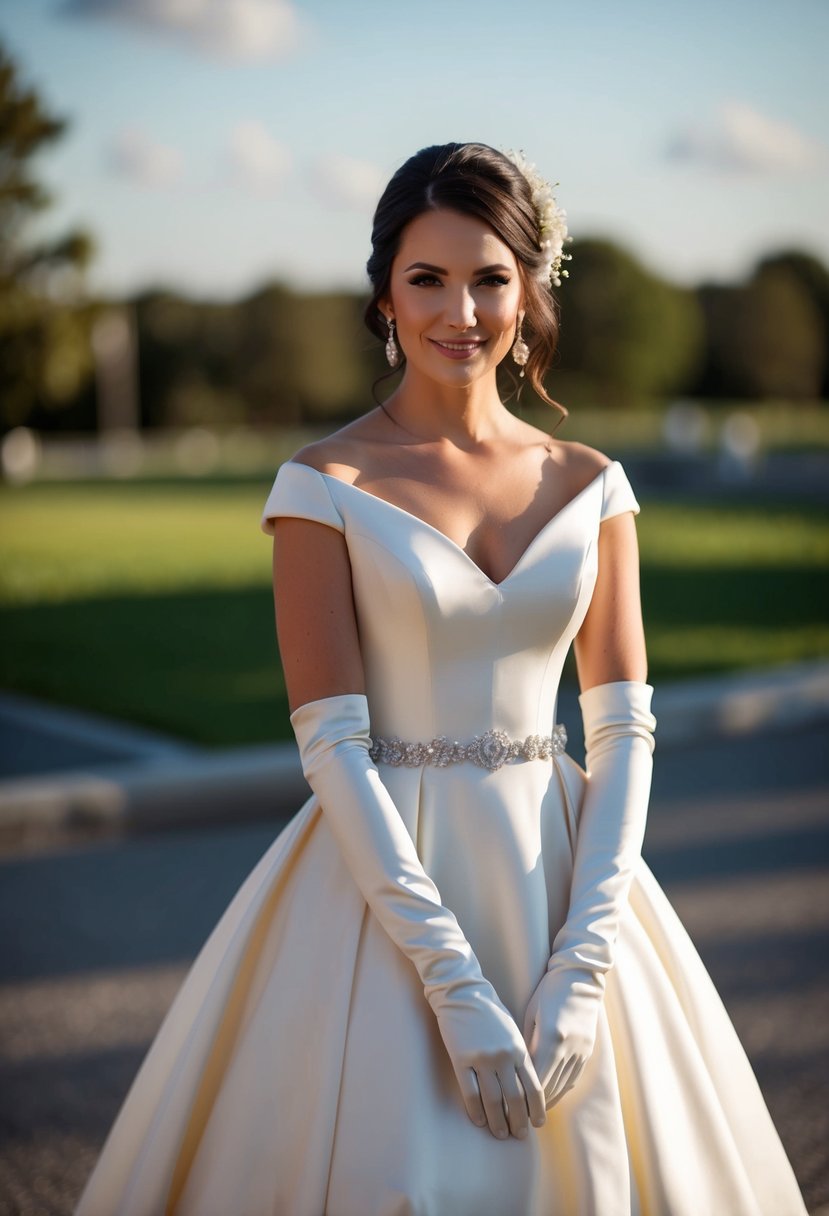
x: 455, y: 293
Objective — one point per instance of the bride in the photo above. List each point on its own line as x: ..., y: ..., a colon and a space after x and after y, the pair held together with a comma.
x: 452, y: 985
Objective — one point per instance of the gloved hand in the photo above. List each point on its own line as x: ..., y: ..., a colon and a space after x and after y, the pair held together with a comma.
x: 562, y: 1014
x: 480, y: 1034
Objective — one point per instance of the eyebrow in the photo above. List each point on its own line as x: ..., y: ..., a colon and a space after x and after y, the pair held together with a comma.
x: 441, y: 270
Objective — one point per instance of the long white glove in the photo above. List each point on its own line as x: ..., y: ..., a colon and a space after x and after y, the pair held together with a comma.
x: 479, y: 1032
x: 561, y: 1017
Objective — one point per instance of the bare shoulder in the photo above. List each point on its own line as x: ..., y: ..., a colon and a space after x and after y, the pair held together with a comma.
x: 577, y: 462
x: 344, y: 453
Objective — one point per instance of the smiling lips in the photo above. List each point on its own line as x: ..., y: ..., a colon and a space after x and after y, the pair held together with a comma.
x: 458, y: 350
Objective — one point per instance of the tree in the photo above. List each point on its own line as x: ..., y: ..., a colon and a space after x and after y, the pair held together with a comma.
x: 813, y: 278
x: 188, y: 360
x: 304, y: 359
x: 628, y: 335
x: 44, y: 347
x: 764, y: 339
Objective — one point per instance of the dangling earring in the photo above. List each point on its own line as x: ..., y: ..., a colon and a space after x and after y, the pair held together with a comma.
x: 392, y: 353
x: 520, y: 350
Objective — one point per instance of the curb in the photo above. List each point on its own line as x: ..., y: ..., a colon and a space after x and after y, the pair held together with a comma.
x: 86, y: 732
x: 175, y: 787
x: 202, y: 790
x: 722, y: 706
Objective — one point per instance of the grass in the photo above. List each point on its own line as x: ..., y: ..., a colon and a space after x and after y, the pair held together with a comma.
x: 733, y: 586
x: 151, y: 601
x: 87, y: 540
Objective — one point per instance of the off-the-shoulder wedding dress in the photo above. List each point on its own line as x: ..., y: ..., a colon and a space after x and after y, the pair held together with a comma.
x: 300, y: 1070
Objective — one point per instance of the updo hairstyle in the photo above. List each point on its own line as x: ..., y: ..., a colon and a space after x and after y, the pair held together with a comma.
x: 477, y: 180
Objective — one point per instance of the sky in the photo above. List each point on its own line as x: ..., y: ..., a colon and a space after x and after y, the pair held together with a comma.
x: 217, y: 145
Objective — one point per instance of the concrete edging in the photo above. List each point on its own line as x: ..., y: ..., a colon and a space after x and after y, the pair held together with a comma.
x: 719, y: 706
x: 203, y: 790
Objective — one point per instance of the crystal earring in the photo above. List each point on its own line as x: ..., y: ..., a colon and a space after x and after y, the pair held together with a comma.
x: 520, y: 350
x: 392, y: 353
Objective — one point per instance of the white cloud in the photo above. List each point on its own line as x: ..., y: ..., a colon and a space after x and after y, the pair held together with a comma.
x: 240, y: 30
x: 744, y: 140
x: 255, y: 159
x: 135, y: 155
x: 346, y: 182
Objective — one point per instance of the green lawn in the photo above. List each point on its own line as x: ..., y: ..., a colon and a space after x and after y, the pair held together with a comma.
x: 151, y: 600
x: 730, y: 586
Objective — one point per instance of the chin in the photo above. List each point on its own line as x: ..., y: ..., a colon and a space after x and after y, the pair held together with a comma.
x: 460, y: 378
x: 458, y: 374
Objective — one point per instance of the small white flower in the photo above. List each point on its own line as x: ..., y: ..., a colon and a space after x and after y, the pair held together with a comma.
x: 552, y: 220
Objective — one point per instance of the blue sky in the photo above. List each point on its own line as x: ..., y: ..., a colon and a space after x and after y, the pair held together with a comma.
x: 218, y: 144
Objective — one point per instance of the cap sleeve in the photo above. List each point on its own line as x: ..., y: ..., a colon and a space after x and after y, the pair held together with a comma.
x: 618, y: 492
x: 302, y: 492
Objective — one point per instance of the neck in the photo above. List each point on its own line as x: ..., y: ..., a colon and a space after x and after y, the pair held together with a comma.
x: 462, y: 416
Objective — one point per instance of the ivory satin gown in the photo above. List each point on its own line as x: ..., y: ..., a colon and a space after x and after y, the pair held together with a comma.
x: 300, y: 1070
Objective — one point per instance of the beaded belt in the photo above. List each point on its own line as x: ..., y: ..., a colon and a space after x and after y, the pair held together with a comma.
x: 490, y: 750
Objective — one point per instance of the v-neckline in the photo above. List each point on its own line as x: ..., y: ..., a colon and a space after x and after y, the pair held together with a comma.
x: 498, y: 585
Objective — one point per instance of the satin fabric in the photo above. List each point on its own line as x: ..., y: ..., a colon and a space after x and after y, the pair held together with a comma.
x: 300, y: 1071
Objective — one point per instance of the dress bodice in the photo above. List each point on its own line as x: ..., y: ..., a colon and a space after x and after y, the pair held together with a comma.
x: 446, y: 650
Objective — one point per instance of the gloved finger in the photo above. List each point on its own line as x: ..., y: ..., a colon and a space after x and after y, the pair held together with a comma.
x: 549, y: 1062
x: 531, y: 1024
x: 533, y: 1092
x: 563, y: 1079
x: 578, y: 1069
x: 518, y: 1117
x: 468, y: 1084
x: 551, y: 1087
x: 492, y: 1098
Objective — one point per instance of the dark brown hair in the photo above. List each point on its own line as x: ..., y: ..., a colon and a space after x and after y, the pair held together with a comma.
x: 473, y: 179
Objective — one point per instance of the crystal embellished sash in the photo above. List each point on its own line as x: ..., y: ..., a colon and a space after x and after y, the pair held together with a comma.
x: 490, y: 750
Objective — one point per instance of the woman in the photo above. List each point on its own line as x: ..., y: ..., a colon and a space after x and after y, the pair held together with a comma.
x: 452, y: 985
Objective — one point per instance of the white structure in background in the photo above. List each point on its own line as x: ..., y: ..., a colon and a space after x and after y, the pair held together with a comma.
x: 739, y: 448
x: 20, y: 454
x: 686, y: 428
x: 197, y: 452
x: 115, y: 347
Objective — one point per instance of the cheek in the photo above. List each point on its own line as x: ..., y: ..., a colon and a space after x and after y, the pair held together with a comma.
x: 505, y: 317
x: 503, y: 309
x: 414, y: 311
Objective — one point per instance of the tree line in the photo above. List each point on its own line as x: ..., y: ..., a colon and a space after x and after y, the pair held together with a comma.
x: 278, y: 356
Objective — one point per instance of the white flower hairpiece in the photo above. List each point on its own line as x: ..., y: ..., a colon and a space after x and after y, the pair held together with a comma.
x: 552, y: 220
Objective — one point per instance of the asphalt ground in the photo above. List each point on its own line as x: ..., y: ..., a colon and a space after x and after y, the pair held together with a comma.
x: 98, y: 936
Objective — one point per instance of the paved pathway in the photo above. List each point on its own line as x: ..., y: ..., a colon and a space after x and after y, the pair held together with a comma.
x: 98, y: 937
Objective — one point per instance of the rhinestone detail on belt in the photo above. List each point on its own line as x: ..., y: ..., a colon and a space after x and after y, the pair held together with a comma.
x: 490, y: 750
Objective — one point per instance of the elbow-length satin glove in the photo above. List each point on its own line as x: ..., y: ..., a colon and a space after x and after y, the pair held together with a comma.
x: 561, y: 1017
x: 480, y: 1034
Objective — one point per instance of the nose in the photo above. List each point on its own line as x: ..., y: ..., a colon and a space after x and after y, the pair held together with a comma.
x: 460, y: 309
